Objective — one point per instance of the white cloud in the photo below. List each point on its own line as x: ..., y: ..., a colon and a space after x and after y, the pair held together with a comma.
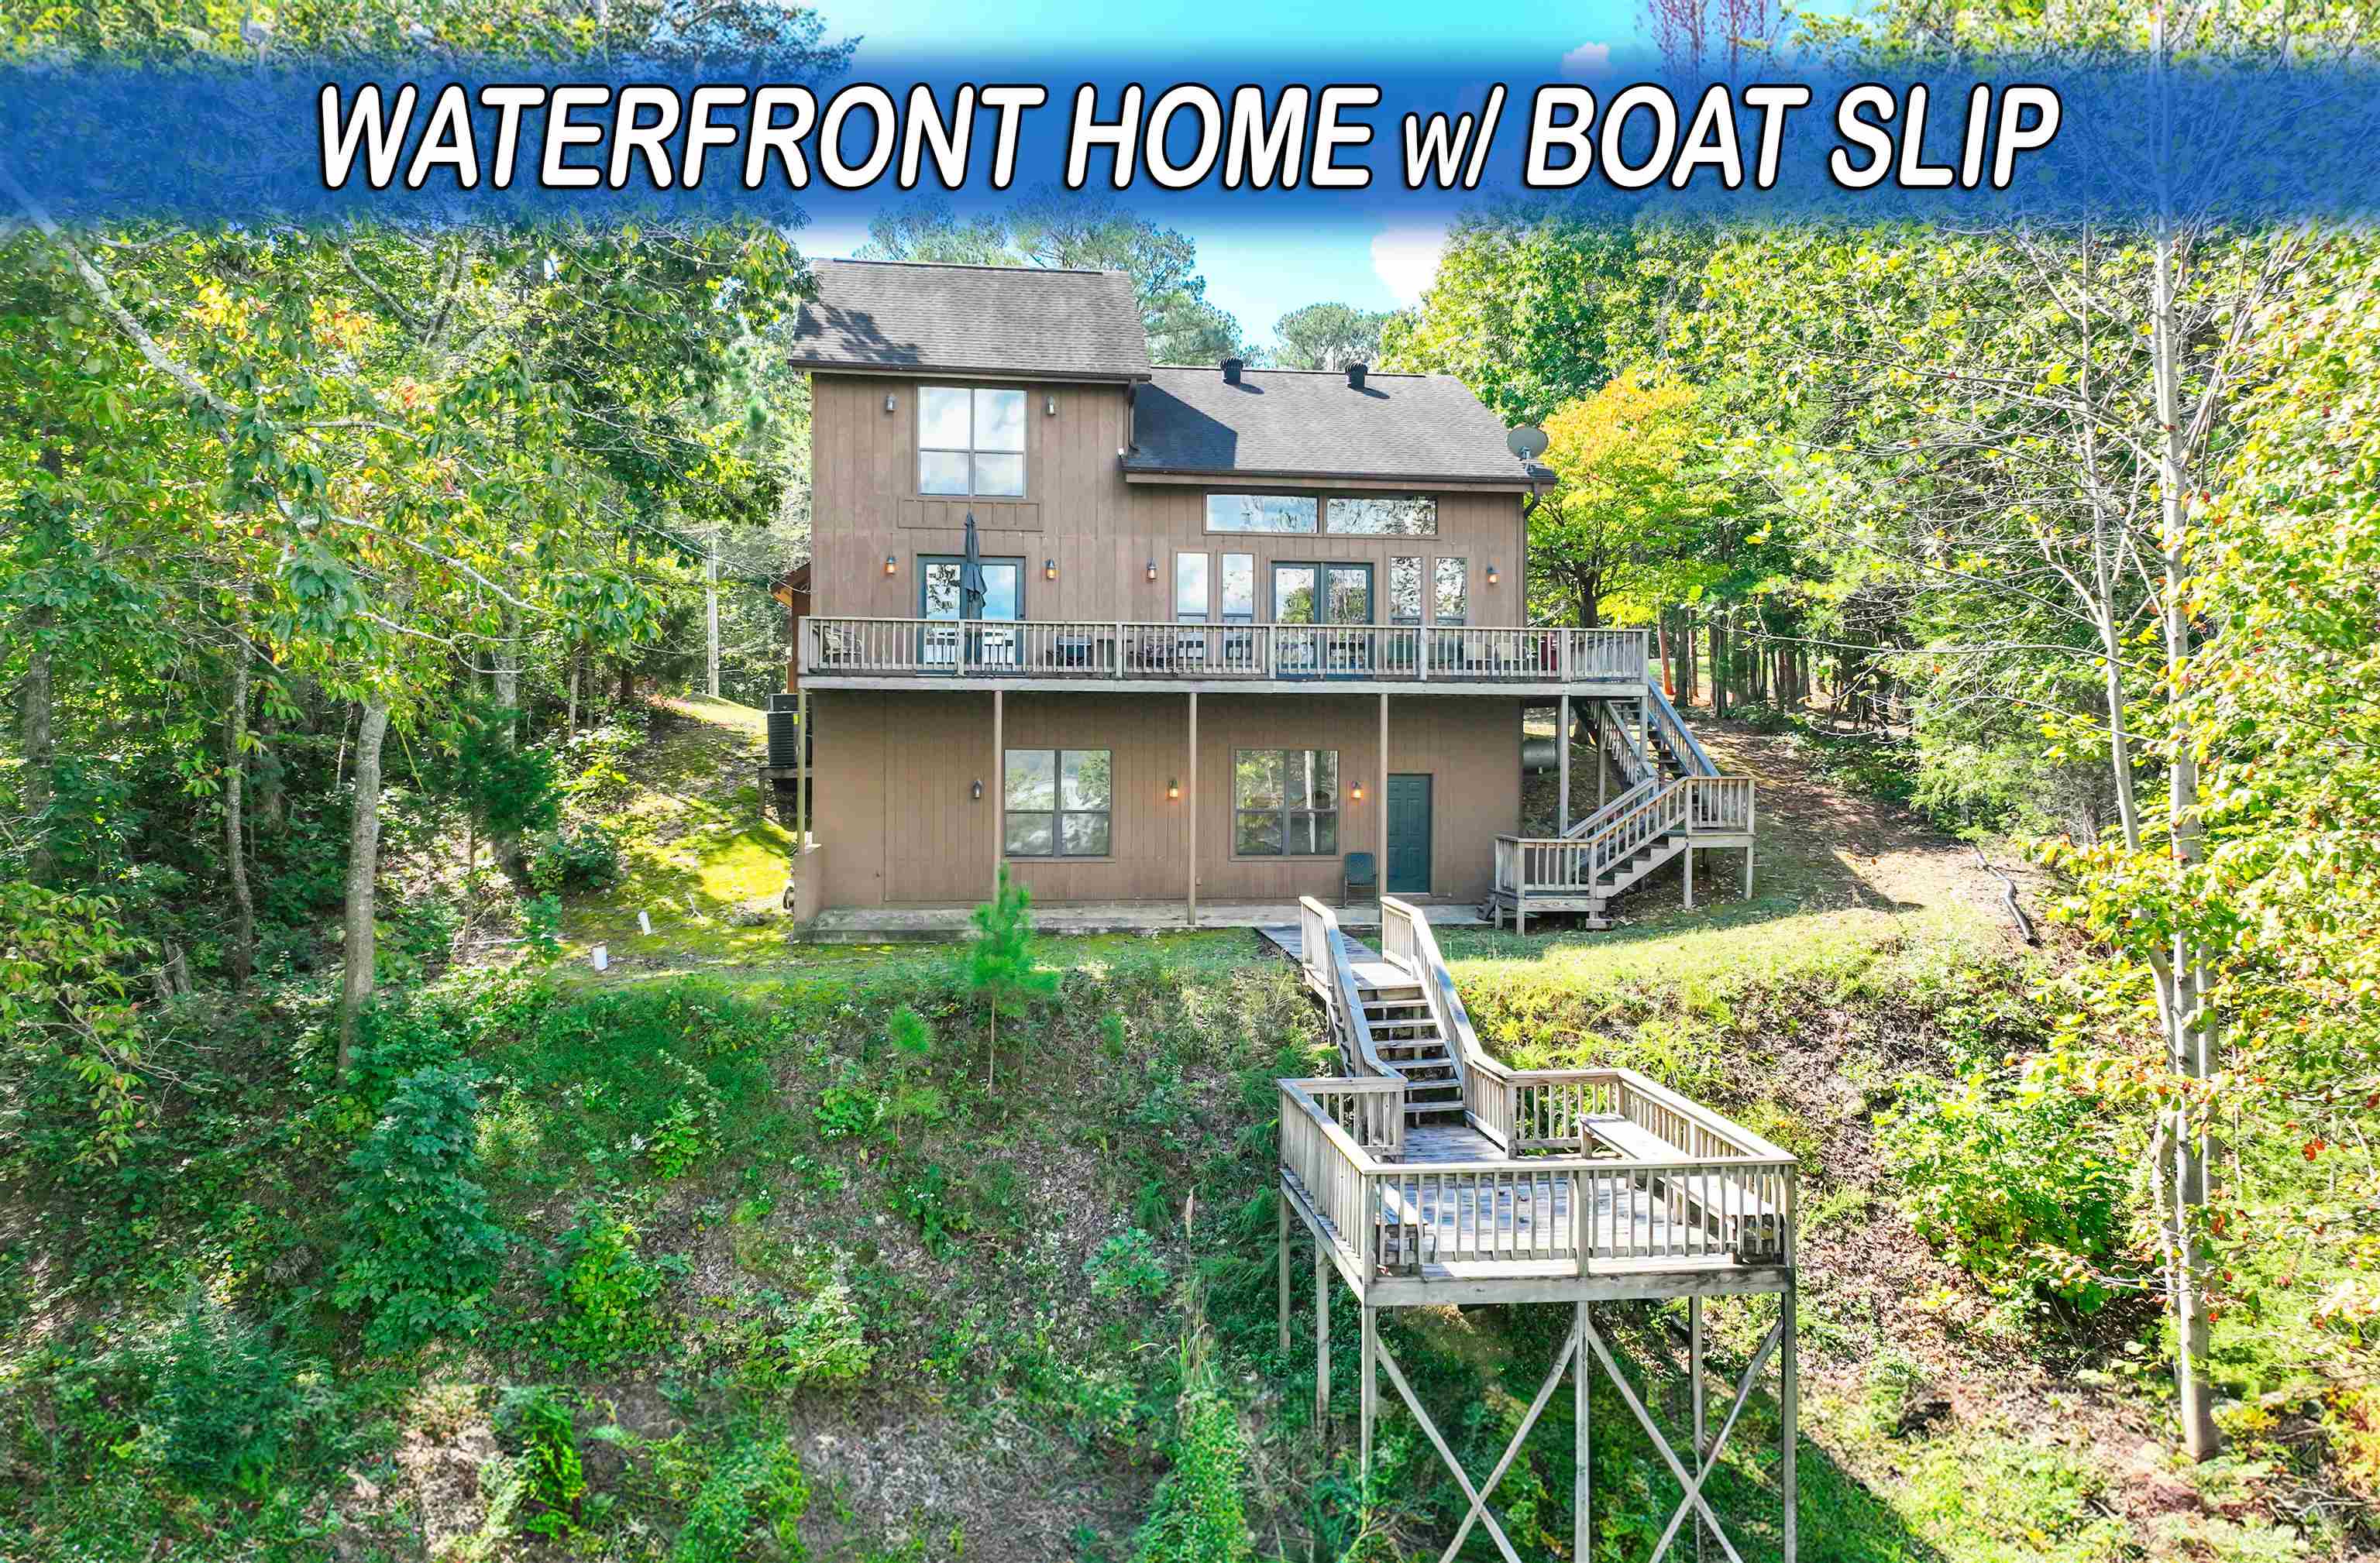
x: 1588, y: 62
x: 833, y: 237
x: 1406, y: 259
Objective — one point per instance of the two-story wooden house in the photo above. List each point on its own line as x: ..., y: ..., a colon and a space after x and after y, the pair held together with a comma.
x: 1184, y: 635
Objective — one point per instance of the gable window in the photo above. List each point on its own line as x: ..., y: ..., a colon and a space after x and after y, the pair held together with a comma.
x: 1055, y: 803
x: 1366, y: 517
x: 970, y: 441
x: 1451, y: 600
x: 1404, y: 588
x: 1190, y: 587
x: 1285, y: 802
x: 1260, y: 513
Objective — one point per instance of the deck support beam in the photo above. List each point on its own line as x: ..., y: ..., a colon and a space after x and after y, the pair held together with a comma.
x: 1695, y: 1376
x: 1690, y: 875
x: 801, y: 778
x: 1368, y: 1402
x: 1562, y: 730
x: 1380, y: 807
x: 1321, y: 1338
x: 1190, y: 803
x: 1582, y: 1498
x: 1000, y: 785
x: 1280, y: 1239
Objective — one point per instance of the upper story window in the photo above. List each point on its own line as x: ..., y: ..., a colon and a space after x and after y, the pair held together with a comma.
x: 970, y: 441
x: 1404, y: 590
x: 1450, y: 599
x: 1366, y: 516
x: 1239, y: 588
x: 1261, y: 512
x: 1190, y: 587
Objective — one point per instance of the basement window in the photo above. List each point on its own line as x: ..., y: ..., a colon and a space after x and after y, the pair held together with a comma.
x: 1285, y: 802
x: 1056, y: 803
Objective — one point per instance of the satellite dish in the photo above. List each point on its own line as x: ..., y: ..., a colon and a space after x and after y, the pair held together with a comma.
x: 1528, y: 442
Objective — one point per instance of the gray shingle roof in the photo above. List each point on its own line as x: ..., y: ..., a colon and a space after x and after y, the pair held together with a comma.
x: 997, y: 319
x: 1293, y: 423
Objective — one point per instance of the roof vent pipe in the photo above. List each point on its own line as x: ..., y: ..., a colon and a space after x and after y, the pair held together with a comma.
x: 1232, y: 368
x: 1355, y: 376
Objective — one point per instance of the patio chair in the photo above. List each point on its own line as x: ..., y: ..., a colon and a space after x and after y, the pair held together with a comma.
x: 1358, y: 874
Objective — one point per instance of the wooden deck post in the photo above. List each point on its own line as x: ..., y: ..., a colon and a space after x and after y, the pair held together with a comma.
x: 1789, y: 1401
x: 1280, y: 1239
x: 801, y: 780
x: 1321, y: 1340
x: 1582, y: 1498
x: 1370, y: 1403
x: 1747, y: 870
x: 1561, y: 732
x: 1690, y: 872
x: 999, y: 787
x: 1602, y: 759
x: 1694, y: 1373
x: 1380, y: 807
x: 1190, y: 803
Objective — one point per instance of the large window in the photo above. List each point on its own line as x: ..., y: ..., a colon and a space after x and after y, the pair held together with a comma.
x: 1260, y: 513
x: 1190, y: 587
x: 1239, y: 588
x: 1451, y: 604
x: 1056, y: 803
x: 970, y: 441
x: 1364, y: 516
x: 1285, y: 802
x: 1404, y: 590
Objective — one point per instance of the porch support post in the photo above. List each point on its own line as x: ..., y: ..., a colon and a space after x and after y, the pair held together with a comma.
x: 1561, y: 737
x: 801, y: 778
x: 1689, y: 885
x: 1190, y: 804
x: 1380, y: 807
x: 1582, y: 1498
x: 999, y: 781
x: 1747, y: 870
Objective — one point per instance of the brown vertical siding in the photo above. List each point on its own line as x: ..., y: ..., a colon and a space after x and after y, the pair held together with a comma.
x: 1077, y: 510
x: 895, y: 773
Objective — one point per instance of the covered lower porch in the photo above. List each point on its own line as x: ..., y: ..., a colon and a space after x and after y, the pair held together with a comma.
x: 925, y: 925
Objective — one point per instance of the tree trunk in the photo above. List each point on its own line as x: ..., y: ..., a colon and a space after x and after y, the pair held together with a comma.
x: 363, y: 870
x: 1688, y: 679
x: 36, y: 741
x: 507, y: 677
x: 578, y: 665
x: 1719, y: 665
x: 2181, y: 987
x: 243, y: 904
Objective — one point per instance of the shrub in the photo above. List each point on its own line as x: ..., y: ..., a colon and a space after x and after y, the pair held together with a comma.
x: 1199, y: 1515
x: 606, y: 1295
x: 2022, y: 1189
x: 824, y: 1342
x: 585, y: 859
x: 224, y: 1401
x: 421, y: 1253
x: 757, y: 1483
x: 1127, y: 1264
x: 688, y: 1133
x: 926, y: 1199
x: 847, y: 1111
x: 554, y: 1482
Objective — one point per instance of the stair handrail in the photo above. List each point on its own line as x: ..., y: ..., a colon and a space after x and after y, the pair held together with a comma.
x: 1421, y: 956
x: 1315, y: 918
x: 1605, y: 814
x: 1633, y: 767
x: 1682, y: 740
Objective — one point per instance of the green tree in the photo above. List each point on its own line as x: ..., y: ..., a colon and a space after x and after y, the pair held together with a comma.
x: 1000, y: 965
x: 1327, y: 336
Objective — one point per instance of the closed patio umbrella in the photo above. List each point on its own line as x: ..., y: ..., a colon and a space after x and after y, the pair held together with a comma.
x: 972, y: 590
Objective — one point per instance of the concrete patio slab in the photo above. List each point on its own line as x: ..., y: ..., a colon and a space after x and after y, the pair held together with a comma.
x: 926, y: 925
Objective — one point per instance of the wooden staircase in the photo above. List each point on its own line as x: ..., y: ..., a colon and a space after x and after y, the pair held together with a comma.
x: 1674, y: 799
x: 1407, y: 1038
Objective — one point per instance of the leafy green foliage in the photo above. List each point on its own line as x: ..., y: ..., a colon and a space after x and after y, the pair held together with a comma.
x: 926, y: 1198
x: 1128, y: 1265
x: 226, y: 1399
x: 422, y: 1252
x: 540, y: 1422
x: 572, y: 861
x: 606, y: 1295
x: 510, y: 790
x: 63, y: 1000
x: 999, y: 965
x: 1200, y: 1512
x: 757, y: 1483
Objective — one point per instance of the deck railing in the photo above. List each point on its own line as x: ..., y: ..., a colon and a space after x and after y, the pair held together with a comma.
x: 1580, y: 864
x: 1723, y: 1193
x: 1122, y: 648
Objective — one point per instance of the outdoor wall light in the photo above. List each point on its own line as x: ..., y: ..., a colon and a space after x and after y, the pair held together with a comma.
x: 1152, y: 569
x: 977, y: 792
x: 1173, y: 788
x: 1356, y: 792
x: 888, y: 401
x: 1049, y: 405
x: 1491, y: 574
x: 1048, y: 569
x: 892, y: 565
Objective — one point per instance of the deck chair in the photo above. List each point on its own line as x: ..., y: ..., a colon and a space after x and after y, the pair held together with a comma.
x: 1358, y: 874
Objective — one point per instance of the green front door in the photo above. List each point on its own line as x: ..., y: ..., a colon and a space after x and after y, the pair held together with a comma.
x: 1408, y: 870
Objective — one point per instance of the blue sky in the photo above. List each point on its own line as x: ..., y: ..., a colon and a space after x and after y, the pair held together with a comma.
x: 1375, y: 262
